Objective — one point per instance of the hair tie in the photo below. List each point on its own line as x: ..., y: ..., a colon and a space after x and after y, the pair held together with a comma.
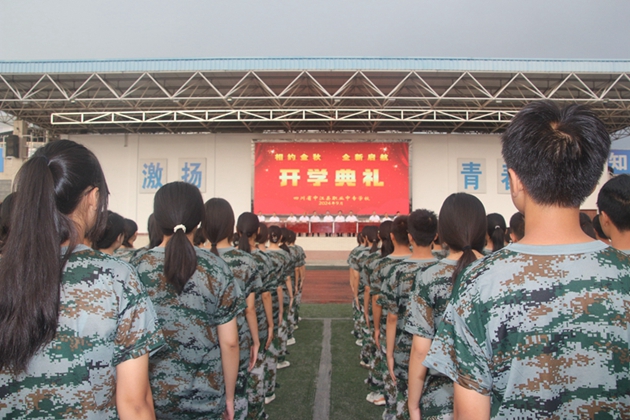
x: 497, y: 227
x: 213, y: 244
x: 178, y: 227
x: 466, y: 248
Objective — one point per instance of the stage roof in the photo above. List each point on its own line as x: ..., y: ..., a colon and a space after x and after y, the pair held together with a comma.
x: 304, y: 94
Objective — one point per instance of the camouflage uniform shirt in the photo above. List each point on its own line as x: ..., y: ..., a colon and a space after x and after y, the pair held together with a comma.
x: 246, y: 275
x: 542, y: 330
x: 187, y: 376
x: 265, y: 269
x: 431, y: 293
x: 105, y: 318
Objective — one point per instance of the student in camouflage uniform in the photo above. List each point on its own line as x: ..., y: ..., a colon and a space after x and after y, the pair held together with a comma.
x: 297, y: 295
x: 613, y: 202
x: 395, y: 291
x: 463, y: 229
x: 218, y: 228
x: 539, y: 329
x: 298, y: 256
x: 197, y: 301
x: 398, y: 237
x: 111, y: 238
x: 287, y: 312
x: 76, y: 341
x: 353, y: 273
x: 130, y: 231
x: 247, y: 228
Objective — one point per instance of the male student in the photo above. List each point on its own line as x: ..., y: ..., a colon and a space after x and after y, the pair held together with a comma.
x: 539, y: 329
x: 613, y: 203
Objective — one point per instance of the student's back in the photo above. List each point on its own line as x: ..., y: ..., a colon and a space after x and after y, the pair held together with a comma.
x: 539, y: 329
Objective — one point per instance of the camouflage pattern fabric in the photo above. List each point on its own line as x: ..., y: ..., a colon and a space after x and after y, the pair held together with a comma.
x: 256, y: 388
x: 105, y: 318
x: 245, y: 272
x: 543, y: 331
x: 395, y: 292
x: 271, y: 366
x: 187, y: 377
x: 282, y: 262
x: 440, y: 254
x: 431, y: 293
x: 124, y: 254
x: 265, y: 269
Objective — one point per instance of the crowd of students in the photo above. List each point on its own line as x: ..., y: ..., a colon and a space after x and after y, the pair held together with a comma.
x: 476, y: 329
x: 198, y: 322
x: 195, y: 325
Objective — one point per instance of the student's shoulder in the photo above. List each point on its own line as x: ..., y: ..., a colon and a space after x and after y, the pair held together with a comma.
x: 87, y: 258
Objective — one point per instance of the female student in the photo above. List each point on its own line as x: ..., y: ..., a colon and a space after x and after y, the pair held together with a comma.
x: 76, y: 327
x: 218, y: 228
x: 496, y: 234
x: 197, y: 301
x: 462, y: 226
x: 112, y: 237
x: 130, y: 234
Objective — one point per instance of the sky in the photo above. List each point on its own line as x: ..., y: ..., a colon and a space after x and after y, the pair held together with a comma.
x: 89, y: 29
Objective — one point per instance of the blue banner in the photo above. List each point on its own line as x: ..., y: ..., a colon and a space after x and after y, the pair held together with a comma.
x: 618, y: 161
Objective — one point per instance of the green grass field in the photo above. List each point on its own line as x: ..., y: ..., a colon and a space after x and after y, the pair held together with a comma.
x: 295, y: 397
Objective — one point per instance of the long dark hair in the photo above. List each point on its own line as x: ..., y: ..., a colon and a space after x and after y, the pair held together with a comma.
x: 462, y: 226
x: 383, y: 232
x: 130, y: 229
x: 275, y: 234
x: 246, y: 226
x: 371, y: 235
x: 263, y: 234
x: 155, y: 233
x: 286, y: 234
x: 178, y: 209
x: 114, y: 227
x: 219, y: 223
x: 49, y: 188
x: 496, y: 230
x: 5, y: 218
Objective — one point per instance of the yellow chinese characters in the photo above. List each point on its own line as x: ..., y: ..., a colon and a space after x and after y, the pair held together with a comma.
x: 371, y: 178
x: 287, y: 175
x: 317, y: 176
x: 345, y: 177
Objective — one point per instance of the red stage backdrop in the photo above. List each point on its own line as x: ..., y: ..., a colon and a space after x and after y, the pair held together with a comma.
x: 307, y: 177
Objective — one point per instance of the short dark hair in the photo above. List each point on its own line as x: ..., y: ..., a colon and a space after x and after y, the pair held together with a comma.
x: 558, y: 154
x: 422, y: 225
x: 399, y: 229
x: 587, y: 225
x: 517, y: 224
x: 614, y: 200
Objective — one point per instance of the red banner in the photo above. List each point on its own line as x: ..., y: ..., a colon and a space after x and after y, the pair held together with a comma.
x: 307, y: 177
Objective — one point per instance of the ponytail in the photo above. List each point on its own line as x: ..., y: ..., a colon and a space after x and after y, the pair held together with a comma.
x: 275, y: 234
x: 496, y: 230
x: 219, y: 222
x: 50, y: 186
x: 370, y: 233
x: 246, y: 226
x: 178, y: 209
x: 384, y: 230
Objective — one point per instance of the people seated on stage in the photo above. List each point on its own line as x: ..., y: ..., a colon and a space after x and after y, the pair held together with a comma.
x: 396, y: 215
x: 328, y: 219
x: 374, y: 218
x: 339, y: 219
x: 304, y: 218
x: 292, y: 218
x: 274, y: 218
x: 315, y: 219
x: 351, y: 217
x: 261, y: 217
x: 386, y: 218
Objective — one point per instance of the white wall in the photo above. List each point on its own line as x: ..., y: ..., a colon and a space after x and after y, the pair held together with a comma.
x: 433, y: 160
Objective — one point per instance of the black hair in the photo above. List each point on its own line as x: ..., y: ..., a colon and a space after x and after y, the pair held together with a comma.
x: 587, y: 225
x: 384, y: 230
x: 130, y: 229
x: 496, y: 230
x: 463, y: 227
x: 113, y: 229
x: 371, y: 235
x: 5, y: 218
x: 422, y: 225
x: 199, y: 238
x: 263, y: 234
x: 291, y: 237
x: 517, y: 224
x: 400, y: 230
x: 360, y: 238
x: 178, y: 209
x: 614, y: 200
x: 597, y: 225
x: 155, y: 233
x: 275, y: 234
x: 246, y: 227
x: 219, y: 223
x: 49, y: 187
x: 558, y: 154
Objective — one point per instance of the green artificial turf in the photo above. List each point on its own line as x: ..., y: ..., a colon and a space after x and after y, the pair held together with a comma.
x: 296, y: 395
x: 328, y: 310
x: 348, y: 391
